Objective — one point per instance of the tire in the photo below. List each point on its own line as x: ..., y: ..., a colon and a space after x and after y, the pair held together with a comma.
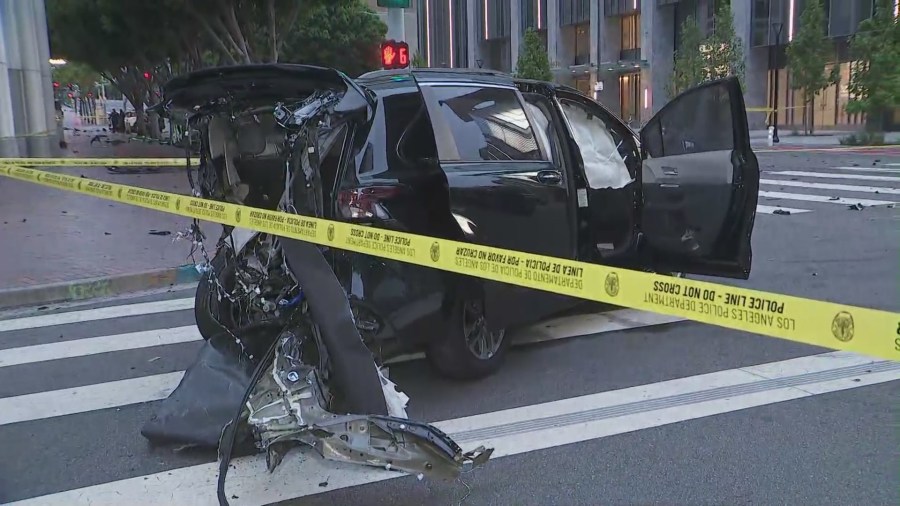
x: 453, y: 357
x: 209, y: 312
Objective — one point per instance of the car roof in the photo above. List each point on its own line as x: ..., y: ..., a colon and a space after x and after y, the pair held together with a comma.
x: 381, y: 79
x: 482, y: 76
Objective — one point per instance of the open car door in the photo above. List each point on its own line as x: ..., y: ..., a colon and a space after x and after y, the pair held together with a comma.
x: 700, y: 183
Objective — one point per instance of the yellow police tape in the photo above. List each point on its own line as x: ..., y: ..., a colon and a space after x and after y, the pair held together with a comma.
x: 837, y: 326
x: 96, y: 162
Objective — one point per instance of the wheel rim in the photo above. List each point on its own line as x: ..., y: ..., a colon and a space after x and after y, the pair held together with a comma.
x: 482, y: 343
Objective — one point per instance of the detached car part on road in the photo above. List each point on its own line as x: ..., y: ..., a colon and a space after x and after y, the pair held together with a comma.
x: 465, y: 155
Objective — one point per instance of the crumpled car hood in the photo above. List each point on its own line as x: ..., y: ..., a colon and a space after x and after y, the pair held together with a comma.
x: 262, y: 84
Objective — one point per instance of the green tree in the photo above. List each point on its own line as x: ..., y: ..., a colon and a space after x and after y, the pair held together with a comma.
x: 533, y: 60
x: 345, y: 36
x: 418, y: 61
x: 875, y: 79
x: 723, y: 49
x: 808, y: 54
x: 76, y: 73
x: 690, y: 65
x: 704, y: 58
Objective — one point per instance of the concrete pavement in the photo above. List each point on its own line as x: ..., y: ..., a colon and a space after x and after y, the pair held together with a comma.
x: 808, y: 428
x: 53, y: 239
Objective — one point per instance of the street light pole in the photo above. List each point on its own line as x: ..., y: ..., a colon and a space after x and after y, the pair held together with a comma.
x: 777, y: 27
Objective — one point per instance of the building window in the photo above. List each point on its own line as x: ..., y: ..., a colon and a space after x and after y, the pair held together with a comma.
x: 621, y: 7
x: 495, y: 16
x: 534, y: 14
x: 487, y: 124
x: 582, y: 44
x: 631, y: 31
x: 573, y: 12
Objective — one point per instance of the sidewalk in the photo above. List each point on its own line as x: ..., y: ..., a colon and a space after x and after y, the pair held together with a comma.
x: 56, y: 237
x: 759, y: 138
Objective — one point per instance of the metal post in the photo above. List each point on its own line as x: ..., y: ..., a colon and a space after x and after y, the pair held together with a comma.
x: 778, y: 27
x: 396, y: 24
x: 8, y: 144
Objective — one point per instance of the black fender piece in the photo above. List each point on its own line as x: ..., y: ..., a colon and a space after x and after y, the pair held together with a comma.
x: 353, y: 368
x: 211, y: 390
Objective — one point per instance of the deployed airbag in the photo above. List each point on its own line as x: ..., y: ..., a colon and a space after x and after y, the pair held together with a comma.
x: 603, y: 166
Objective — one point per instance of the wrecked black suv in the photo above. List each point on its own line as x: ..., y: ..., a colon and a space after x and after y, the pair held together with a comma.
x: 465, y: 155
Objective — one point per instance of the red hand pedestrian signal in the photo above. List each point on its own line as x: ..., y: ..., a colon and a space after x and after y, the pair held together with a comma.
x: 388, y: 56
x: 394, y: 54
x: 147, y: 75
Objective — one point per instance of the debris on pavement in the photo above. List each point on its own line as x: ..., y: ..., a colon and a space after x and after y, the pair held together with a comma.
x: 857, y: 207
x: 160, y: 232
x: 834, y: 198
x: 781, y: 212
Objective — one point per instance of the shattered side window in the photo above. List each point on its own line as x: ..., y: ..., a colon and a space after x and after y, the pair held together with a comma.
x: 487, y: 124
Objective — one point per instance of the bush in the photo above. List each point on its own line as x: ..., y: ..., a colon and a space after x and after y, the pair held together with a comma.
x: 863, y: 139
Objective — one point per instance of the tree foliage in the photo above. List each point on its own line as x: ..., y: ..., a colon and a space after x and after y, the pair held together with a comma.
x: 875, y: 78
x: 533, y: 60
x: 124, y: 39
x: 723, y: 48
x: 705, y: 58
x: 690, y: 65
x: 345, y: 36
x: 808, y: 55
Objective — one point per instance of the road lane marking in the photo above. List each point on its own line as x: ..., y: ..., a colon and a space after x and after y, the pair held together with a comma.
x: 823, y: 198
x: 832, y: 175
x: 558, y: 328
x: 831, y: 186
x: 90, y: 315
x: 97, y: 345
x: 69, y: 401
x: 511, y: 432
x: 771, y: 209
x: 870, y: 169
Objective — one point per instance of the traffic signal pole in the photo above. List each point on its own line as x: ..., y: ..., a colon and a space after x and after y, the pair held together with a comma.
x: 396, y: 25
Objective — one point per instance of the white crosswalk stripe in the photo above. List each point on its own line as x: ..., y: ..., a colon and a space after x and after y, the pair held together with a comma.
x: 873, y: 180
x: 514, y: 431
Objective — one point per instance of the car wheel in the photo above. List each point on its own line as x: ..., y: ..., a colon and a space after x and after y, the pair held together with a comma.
x: 469, y: 350
x: 211, y: 314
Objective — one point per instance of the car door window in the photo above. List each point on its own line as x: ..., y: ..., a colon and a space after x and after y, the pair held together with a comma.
x: 539, y: 107
x: 604, y: 151
x: 487, y: 124
x: 700, y: 121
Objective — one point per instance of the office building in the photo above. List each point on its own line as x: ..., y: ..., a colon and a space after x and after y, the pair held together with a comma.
x: 622, y: 51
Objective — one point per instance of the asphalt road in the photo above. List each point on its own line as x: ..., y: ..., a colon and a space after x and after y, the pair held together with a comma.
x: 642, y: 426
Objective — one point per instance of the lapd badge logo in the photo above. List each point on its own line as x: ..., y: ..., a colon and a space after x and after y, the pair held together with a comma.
x: 435, y: 252
x: 237, y: 215
x: 611, y: 285
x: 330, y: 232
x: 842, y: 326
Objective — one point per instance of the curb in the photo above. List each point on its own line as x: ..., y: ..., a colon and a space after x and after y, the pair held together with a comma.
x: 92, y: 288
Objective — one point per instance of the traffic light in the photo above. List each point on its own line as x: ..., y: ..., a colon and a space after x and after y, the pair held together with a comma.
x: 55, y: 85
x: 394, y: 54
x: 147, y: 75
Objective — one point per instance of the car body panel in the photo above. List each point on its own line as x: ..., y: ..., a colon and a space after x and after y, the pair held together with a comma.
x: 405, y: 152
x: 701, y: 182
